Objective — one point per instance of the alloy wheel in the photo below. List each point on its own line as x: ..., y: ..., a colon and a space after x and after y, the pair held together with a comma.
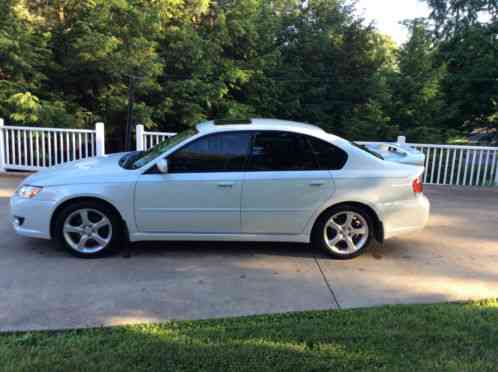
x: 346, y: 232
x: 87, y: 230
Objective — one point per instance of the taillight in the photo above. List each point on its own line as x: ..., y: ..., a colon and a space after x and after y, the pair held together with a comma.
x: 417, y: 185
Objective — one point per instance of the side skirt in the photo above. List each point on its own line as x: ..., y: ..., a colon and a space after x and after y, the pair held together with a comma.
x: 135, y: 237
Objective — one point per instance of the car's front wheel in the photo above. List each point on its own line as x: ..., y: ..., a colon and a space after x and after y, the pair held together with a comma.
x: 344, y: 231
x: 88, y: 229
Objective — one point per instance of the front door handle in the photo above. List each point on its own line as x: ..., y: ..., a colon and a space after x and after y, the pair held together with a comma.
x: 317, y: 183
x: 226, y: 185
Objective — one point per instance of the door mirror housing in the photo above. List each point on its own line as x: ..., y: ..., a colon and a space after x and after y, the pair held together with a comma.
x: 162, y: 166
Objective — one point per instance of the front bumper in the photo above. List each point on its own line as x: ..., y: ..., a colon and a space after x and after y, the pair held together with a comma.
x: 35, y: 213
x: 405, y: 216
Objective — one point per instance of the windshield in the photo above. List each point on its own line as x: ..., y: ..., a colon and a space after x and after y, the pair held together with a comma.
x: 367, y: 149
x: 139, y: 159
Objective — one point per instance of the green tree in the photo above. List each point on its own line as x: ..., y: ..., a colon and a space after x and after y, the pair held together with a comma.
x: 374, y: 120
x: 329, y: 66
x: 23, y: 52
x: 68, y: 63
x: 219, y: 65
x: 468, y: 46
x: 418, y: 105
x: 454, y: 16
x: 98, y: 44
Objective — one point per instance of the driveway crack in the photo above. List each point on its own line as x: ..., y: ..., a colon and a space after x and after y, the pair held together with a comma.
x: 334, y: 297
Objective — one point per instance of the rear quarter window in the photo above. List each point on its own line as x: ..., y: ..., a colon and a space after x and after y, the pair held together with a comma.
x: 328, y: 156
x: 367, y: 149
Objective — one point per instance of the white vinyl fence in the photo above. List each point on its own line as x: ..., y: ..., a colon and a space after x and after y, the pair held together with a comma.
x: 33, y: 148
x: 146, y: 140
x: 459, y: 165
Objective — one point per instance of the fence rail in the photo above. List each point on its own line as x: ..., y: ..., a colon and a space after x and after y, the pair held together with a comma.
x: 32, y: 148
x: 459, y: 165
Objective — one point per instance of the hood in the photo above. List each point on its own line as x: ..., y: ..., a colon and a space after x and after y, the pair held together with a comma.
x: 90, y: 170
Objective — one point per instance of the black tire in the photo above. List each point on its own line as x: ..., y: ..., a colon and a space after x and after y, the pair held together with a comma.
x: 117, y: 231
x: 318, y: 234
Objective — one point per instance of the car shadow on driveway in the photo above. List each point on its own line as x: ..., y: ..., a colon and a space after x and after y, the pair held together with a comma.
x: 180, y: 248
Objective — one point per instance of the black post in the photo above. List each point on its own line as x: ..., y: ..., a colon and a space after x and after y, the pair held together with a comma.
x: 129, y: 119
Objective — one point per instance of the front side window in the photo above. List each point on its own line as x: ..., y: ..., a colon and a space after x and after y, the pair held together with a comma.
x: 141, y: 158
x: 281, y: 151
x: 221, y: 152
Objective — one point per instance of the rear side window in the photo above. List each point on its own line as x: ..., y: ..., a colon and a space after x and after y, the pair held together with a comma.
x: 281, y: 151
x: 328, y: 156
x: 223, y: 152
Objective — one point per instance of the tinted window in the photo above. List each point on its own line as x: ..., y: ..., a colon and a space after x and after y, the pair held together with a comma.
x: 140, y: 158
x: 224, y: 152
x: 328, y: 156
x: 281, y: 151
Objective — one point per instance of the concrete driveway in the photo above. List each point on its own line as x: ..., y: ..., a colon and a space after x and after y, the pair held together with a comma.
x: 455, y: 258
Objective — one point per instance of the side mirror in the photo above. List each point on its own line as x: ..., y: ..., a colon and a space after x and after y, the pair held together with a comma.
x: 162, y: 165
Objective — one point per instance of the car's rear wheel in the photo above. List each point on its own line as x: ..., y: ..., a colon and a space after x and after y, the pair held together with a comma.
x: 344, y: 232
x: 87, y: 229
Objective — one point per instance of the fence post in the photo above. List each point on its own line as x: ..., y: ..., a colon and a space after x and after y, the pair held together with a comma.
x: 496, y: 171
x: 100, y: 139
x: 401, y: 140
x: 2, y: 147
x: 140, y: 137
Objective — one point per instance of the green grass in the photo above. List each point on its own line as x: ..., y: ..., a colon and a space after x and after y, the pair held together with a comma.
x: 453, y: 337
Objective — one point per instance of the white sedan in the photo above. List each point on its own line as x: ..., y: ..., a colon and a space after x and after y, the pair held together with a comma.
x: 255, y: 180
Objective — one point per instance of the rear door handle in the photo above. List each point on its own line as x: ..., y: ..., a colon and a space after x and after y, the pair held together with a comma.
x: 317, y: 183
x: 226, y: 185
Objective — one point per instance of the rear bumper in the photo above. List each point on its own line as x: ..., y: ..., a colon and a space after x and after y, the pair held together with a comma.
x: 405, y: 216
x: 35, y: 215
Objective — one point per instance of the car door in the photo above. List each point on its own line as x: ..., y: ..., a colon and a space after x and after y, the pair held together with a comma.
x: 201, y: 191
x: 283, y: 185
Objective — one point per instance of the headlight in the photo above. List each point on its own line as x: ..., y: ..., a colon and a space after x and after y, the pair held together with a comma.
x: 28, y: 192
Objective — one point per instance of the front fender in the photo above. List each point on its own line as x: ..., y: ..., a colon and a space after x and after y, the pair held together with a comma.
x: 119, y: 195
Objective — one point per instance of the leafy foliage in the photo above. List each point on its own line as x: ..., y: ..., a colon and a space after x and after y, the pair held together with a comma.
x: 418, y: 104
x: 69, y: 63
x: 454, y: 16
x: 467, y: 33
